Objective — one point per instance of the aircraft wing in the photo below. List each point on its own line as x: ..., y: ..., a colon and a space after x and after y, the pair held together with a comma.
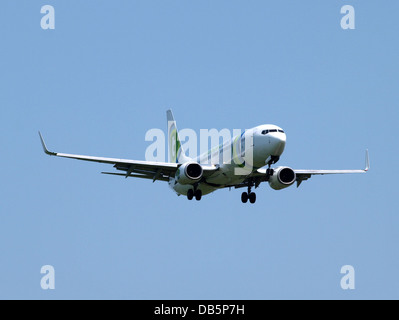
x: 303, y: 175
x: 133, y: 168
x: 260, y: 175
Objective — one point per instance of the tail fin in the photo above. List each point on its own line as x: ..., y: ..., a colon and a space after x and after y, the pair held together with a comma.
x: 175, y: 150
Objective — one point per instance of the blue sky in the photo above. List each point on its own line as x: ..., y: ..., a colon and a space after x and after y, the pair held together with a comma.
x: 107, y: 74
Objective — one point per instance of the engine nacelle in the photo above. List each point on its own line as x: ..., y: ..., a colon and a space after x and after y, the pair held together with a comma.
x: 189, y: 173
x: 282, y: 177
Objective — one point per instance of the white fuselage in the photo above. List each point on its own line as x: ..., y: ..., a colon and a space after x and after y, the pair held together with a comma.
x: 237, y: 158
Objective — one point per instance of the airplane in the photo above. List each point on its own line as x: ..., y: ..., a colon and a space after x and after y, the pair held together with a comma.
x: 195, y: 177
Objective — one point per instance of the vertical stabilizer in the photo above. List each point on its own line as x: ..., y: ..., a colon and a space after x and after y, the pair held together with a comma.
x: 175, y: 150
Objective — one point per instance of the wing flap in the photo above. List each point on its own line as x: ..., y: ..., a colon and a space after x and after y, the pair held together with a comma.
x: 142, y: 176
x: 322, y: 172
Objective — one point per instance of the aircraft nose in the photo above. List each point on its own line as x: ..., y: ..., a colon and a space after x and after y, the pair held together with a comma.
x: 278, y: 140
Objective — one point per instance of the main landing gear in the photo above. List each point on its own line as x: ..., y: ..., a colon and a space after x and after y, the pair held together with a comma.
x: 194, y: 193
x: 251, y: 196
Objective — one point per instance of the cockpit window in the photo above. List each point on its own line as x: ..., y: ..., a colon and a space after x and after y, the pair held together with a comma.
x: 272, y: 130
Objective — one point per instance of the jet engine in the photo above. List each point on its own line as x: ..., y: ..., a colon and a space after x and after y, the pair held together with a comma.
x: 282, y: 177
x: 189, y: 173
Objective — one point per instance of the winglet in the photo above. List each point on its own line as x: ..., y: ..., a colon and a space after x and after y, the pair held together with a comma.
x: 367, y: 161
x: 45, y: 148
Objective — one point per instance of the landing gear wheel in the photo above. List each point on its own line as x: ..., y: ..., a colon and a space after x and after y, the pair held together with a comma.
x: 252, y: 197
x: 190, y: 194
x: 198, y: 195
x: 244, y: 197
